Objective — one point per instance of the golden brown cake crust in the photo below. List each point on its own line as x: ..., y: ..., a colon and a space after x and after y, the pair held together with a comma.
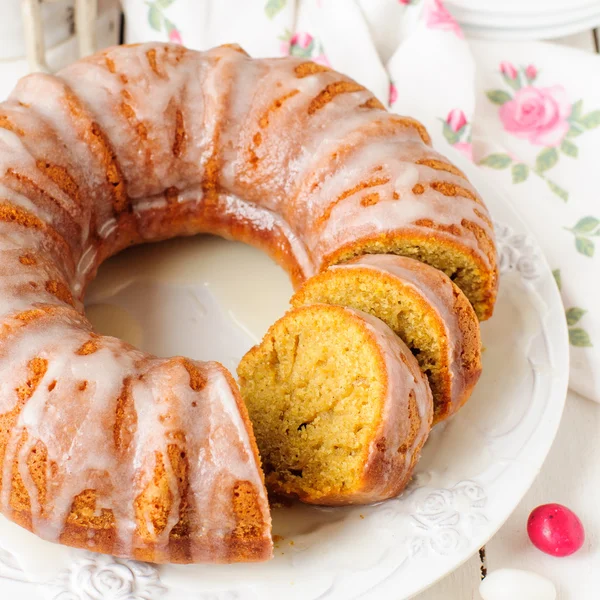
x: 423, y: 306
x: 309, y: 370
x: 152, y: 141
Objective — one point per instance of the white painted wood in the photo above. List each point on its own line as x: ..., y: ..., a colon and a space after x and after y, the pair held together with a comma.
x: 462, y: 584
x: 86, y: 12
x: 34, y: 35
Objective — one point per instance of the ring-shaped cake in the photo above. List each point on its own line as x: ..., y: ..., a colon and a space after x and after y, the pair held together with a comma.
x: 103, y: 446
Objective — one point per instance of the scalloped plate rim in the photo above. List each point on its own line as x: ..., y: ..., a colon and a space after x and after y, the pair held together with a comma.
x: 559, y: 390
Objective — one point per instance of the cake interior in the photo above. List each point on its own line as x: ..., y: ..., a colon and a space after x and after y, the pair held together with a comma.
x: 472, y: 279
x: 314, y: 393
x: 402, y: 309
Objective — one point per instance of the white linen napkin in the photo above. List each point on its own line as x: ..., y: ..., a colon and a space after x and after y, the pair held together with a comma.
x: 528, y: 114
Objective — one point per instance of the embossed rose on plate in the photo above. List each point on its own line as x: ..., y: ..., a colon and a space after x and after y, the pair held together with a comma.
x: 100, y: 577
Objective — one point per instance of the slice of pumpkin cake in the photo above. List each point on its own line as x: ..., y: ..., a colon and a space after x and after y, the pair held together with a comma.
x: 339, y: 406
x: 422, y: 306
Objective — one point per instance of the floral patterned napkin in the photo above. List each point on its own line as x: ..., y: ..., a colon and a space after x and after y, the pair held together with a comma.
x: 528, y: 114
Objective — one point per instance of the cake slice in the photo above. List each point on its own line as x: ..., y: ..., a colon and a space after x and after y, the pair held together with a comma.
x: 339, y: 406
x: 423, y: 306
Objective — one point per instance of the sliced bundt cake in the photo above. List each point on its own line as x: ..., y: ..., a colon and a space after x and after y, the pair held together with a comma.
x: 148, y: 142
x: 423, y: 306
x: 339, y: 406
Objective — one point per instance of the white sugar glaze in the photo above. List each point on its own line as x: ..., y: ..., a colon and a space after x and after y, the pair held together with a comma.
x: 216, y: 440
x: 145, y: 143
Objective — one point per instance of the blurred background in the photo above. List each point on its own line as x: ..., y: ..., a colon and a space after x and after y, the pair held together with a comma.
x: 48, y: 34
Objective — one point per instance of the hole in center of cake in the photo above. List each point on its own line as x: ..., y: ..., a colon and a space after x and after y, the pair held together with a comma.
x: 202, y: 297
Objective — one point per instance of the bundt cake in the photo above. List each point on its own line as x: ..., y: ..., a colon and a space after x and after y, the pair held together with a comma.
x: 339, y: 406
x: 422, y: 306
x: 108, y: 449
x: 103, y: 446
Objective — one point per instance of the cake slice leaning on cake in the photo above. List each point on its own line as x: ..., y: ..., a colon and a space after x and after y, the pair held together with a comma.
x: 423, y: 306
x: 339, y: 406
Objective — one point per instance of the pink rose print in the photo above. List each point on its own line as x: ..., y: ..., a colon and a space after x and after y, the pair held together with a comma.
x: 301, y: 40
x: 508, y: 70
x: 321, y: 59
x: 304, y: 45
x: 456, y: 119
x: 393, y: 94
x: 538, y: 115
x: 437, y: 16
x: 531, y: 73
x: 543, y: 116
x: 284, y: 47
x: 157, y: 19
x: 457, y: 132
x: 465, y: 148
x: 175, y: 36
x: 409, y: 2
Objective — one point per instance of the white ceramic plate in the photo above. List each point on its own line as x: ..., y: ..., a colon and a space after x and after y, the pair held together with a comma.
x: 520, y: 6
x: 533, y: 21
x: 515, y: 34
x: 212, y: 299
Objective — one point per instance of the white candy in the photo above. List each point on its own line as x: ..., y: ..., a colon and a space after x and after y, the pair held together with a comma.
x: 515, y: 584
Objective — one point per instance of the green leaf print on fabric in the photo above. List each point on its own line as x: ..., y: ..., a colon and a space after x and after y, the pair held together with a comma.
x: 583, y: 230
x: 569, y: 148
x: 584, y: 246
x: 546, y: 159
x: 556, y: 189
x: 273, y: 7
x: 580, y: 338
x: 452, y: 137
x: 591, y: 120
x: 586, y: 225
x: 496, y: 161
x: 514, y: 83
x: 577, y: 335
x: 575, y: 130
x: 159, y: 21
x: 576, y: 110
x: 580, y: 122
x: 557, y: 278
x: 498, y: 96
x: 574, y: 314
x: 520, y: 172
x: 155, y: 18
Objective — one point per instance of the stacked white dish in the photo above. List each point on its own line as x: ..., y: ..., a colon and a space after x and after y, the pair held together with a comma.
x: 525, y: 19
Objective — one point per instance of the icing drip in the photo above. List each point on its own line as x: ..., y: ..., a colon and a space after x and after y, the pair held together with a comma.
x: 145, y: 143
x: 205, y: 425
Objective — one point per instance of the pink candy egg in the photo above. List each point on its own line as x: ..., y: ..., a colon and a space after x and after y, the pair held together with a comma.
x: 555, y: 530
